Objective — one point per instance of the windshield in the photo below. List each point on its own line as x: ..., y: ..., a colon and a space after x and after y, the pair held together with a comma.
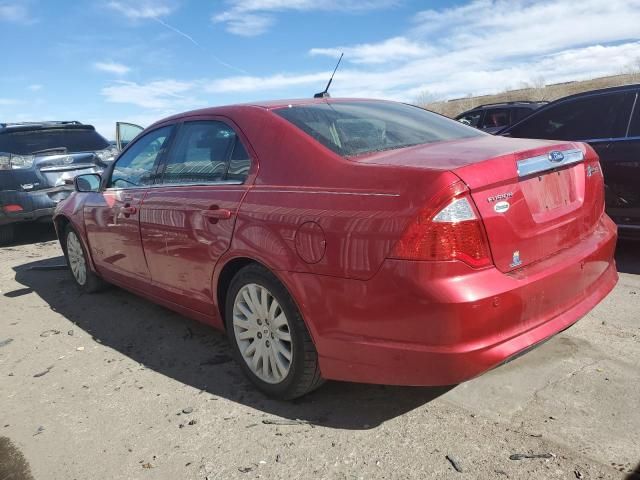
x: 354, y: 128
x: 27, y: 142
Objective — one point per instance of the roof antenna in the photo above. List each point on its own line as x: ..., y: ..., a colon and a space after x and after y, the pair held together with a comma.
x: 325, y: 92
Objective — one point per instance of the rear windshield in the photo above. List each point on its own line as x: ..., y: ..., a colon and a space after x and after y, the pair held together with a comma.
x: 355, y: 128
x: 31, y: 141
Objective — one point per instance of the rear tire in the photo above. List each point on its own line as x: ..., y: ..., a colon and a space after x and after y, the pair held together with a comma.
x: 79, y: 263
x: 268, y: 335
x: 7, y: 234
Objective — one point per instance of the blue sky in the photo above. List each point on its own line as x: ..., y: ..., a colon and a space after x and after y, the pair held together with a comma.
x: 140, y: 60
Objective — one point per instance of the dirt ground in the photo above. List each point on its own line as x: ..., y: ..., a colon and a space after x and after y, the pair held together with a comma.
x: 112, y: 386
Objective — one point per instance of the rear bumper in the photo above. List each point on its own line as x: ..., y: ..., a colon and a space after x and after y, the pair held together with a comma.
x: 422, y: 323
x: 35, y: 205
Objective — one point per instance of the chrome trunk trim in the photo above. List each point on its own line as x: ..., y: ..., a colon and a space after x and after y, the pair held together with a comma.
x: 542, y: 163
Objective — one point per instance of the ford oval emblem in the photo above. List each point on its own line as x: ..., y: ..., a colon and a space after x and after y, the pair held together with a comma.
x: 501, y: 207
x: 556, y: 156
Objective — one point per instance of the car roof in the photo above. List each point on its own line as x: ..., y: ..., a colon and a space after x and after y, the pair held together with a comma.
x: 620, y: 88
x: 515, y: 103
x: 266, y: 105
x: 26, y: 126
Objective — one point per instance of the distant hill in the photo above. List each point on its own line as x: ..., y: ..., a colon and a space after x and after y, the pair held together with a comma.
x: 451, y: 108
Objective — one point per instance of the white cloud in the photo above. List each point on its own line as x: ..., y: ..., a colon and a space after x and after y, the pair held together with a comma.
x: 15, y: 12
x: 487, y: 45
x: 254, y: 17
x: 248, y: 83
x: 160, y: 94
x: 390, y: 50
x: 480, y: 47
x: 36, y: 87
x: 141, y: 10
x: 8, y: 101
x: 111, y: 67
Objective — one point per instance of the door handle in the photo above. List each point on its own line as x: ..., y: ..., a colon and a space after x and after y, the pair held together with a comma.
x: 128, y: 210
x: 215, y: 213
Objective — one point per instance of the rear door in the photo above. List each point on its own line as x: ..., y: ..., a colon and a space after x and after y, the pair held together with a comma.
x: 112, y: 217
x: 125, y: 133
x: 187, y: 219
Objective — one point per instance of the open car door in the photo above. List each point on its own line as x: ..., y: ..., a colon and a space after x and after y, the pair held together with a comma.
x: 125, y: 132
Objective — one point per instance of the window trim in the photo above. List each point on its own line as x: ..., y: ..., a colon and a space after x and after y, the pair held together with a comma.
x: 158, y: 161
x: 239, y: 136
x: 633, y: 111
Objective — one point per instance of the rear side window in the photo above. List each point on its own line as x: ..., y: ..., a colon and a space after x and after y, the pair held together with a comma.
x: 354, y: 128
x: 206, y: 152
x: 601, y: 116
x: 31, y: 141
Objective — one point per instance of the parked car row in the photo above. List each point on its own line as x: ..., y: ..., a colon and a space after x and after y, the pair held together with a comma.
x: 355, y: 240
x: 38, y: 161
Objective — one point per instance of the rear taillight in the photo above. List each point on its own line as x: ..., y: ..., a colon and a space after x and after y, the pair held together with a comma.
x: 452, y: 230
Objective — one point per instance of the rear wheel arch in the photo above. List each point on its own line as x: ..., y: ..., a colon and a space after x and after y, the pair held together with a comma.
x: 230, y: 269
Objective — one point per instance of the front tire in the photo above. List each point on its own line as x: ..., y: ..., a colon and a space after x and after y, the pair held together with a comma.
x: 78, y: 262
x: 268, y: 335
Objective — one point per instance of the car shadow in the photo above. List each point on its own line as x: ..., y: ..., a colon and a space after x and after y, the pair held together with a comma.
x: 628, y: 256
x: 194, y: 354
x: 29, y: 233
x: 635, y: 474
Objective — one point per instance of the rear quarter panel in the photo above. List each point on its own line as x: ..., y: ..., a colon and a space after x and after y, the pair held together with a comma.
x: 357, y: 211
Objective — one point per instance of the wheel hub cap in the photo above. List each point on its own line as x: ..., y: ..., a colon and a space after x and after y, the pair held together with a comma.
x: 76, y: 258
x: 262, y: 333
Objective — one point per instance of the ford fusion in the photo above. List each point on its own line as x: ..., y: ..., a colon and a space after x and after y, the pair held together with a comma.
x: 342, y: 239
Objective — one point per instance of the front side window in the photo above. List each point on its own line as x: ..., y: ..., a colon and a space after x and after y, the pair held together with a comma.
x: 355, y: 128
x: 136, y: 167
x: 496, y: 117
x: 601, y: 116
x: 206, y: 152
x: 472, y: 118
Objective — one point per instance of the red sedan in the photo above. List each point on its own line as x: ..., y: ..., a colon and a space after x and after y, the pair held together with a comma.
x: 356, y: 240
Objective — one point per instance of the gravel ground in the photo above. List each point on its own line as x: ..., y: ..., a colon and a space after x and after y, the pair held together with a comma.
x: 112, y: 386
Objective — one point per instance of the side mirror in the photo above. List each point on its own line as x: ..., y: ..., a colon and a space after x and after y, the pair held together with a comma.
x: 89, y: 182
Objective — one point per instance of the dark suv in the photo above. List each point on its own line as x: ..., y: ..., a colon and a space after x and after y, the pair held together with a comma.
x: 609, y: 121
x: 494, y: 117
x: 38, y: 162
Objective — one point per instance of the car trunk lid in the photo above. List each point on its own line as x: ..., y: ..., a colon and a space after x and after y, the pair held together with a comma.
x: 535, y: 203
x: 531, y: 206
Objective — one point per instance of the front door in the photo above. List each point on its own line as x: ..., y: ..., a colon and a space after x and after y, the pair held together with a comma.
x: 187, y: 219
x: 112, y: 217
x: 125, y: 133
